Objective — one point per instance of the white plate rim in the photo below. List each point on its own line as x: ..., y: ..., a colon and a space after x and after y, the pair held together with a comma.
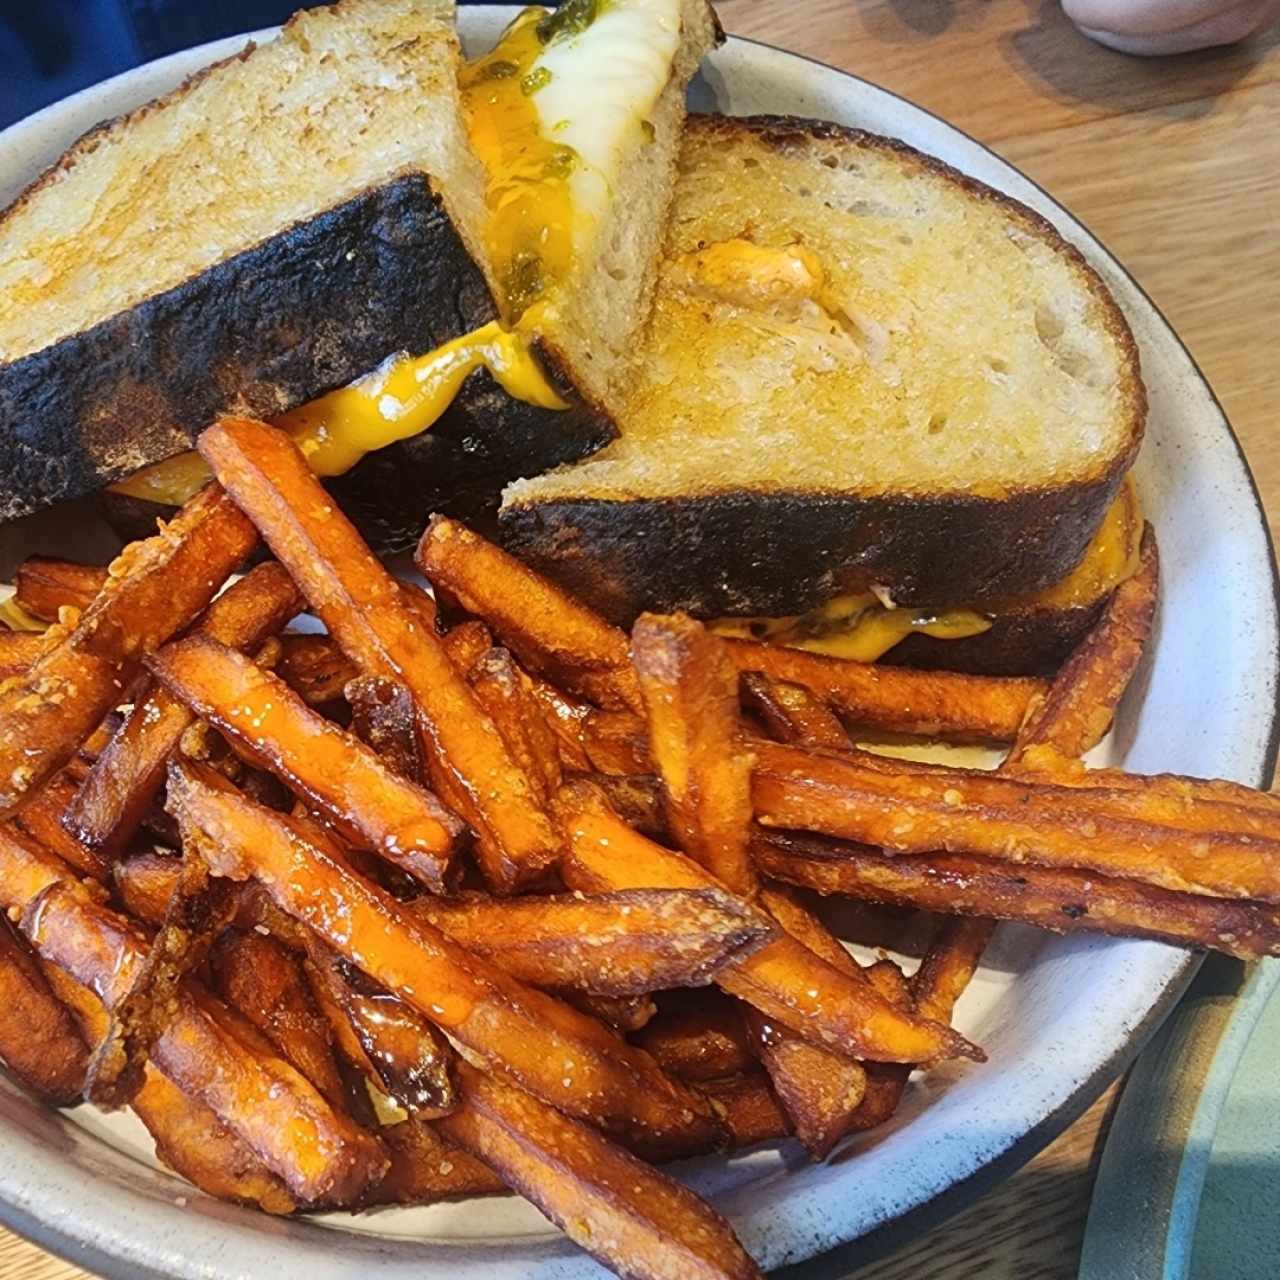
x: 114, y: 1251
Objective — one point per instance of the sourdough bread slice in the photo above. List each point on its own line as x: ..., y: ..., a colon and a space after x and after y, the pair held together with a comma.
x: 925, y: 390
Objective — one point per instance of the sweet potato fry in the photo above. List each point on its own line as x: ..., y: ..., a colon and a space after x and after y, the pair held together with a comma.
x: 411, y: 1060
x: 939, y: 704
x: 145, y: 882
x: 19, y: 650
x: 43, y: 586
x: 382, y: 717
x: 820, y: 1090
x: 551, y: 1049
x: 425, y: 1168
x: 128, y: 775
x: 690, y: 692
x: 954, y: 953
x: 622, y: 1013
x: 1059, y: 900
x: 751, y: 1110
x: 504, y: 694
x: 366, y: 801
x: 566, y: 716
x: 792, y: 713
x: 624, y: 1213
x: 189, y: 1138
x: 39, y: 1040
x: 1084, y: 696
x: 1223, y: 850
x: 636, y: 798
x: 616, y: 742
x: 465, y: 642
x: 314, y: 668
x: 784, y: 980
x: 154, y: 589
x: 318, y: 1154
x: 196, y: 912
x: 698, y: 1039
x: 616, y: 944
x: 264, y: 981
x: 364, y: 610
x: 548, y: 629
x: 43, y: 816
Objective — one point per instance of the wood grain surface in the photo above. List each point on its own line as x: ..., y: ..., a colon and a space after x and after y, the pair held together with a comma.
x: 1172, y: 163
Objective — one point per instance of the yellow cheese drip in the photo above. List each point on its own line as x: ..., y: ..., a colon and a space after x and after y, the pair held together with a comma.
x: 529, y: 235
x: 860, y: 628
x: 401, y: 398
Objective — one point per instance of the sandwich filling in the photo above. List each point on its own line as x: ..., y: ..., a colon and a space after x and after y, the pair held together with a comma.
x: 865, y: 626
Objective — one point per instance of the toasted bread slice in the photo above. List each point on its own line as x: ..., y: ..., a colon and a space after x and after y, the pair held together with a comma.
x: 272, y: 230
x: 863, y: 370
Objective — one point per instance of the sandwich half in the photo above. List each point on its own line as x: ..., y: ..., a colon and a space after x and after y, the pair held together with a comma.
x: 873, y: 396
x: 311, y: 214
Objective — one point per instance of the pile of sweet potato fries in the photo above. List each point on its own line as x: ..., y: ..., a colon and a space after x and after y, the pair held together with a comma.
x: 408, y: 910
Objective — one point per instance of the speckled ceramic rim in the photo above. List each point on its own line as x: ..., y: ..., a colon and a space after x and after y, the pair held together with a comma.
x: 161, y: 1241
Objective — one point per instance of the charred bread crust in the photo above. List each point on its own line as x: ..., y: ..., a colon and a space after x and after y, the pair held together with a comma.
x: 305, y: 311
x: 748, y: 553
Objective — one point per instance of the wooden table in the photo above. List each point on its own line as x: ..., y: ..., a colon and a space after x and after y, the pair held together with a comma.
x: 1172, y: 163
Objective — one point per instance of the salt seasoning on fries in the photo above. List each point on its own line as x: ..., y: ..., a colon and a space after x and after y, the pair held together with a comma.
x: 153, y: 589
x: 375, y: 1044
x: 365, y: 612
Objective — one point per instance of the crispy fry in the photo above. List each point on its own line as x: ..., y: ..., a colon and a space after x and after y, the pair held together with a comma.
x: 552, y: 633
x: 690, y: 692
x: 1060, y: 900
x: 699, y: 1040
x: 622, y: 1013
x: 939, y: 704
x: 465, y: 642
x: 636, y: 798
x: 144, y: 884
x: 1224, y: 850
x: 364, y: 610
x: 750, y: 1108
x: 189, y: 1138
x: 616, y: 742
x: 264, y: 981
x: 314, y: 668
x: 1084, y: 696
x: 43, y: 586
x: 425, y: 1168
x: 382, y: 717
x: 505, y: 695
x: 128, y: 775
x: 616, y: 944
x: 19, y: 650
x: 533, y: 1038
x: 566, y: 716
x: 792, y: 713
x: 624, y: 1213
x: 954, y: 953
x: 195, y: 914
x: 366, y: 801
x: 44, y: 816
x: 781, y: 979
x: 319, y: 1155
x: 39, y: 1040
x: 410, y: 1059
x: 820, y: 1090
x: 155, y: 588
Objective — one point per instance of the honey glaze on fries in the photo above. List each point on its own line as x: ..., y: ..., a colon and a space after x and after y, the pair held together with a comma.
x: 498, y: 895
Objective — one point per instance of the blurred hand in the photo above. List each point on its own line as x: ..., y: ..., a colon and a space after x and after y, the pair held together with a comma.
x: 1170, y: 26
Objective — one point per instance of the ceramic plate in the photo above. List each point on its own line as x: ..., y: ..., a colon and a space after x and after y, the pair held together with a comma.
x: 1058, y: 1017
